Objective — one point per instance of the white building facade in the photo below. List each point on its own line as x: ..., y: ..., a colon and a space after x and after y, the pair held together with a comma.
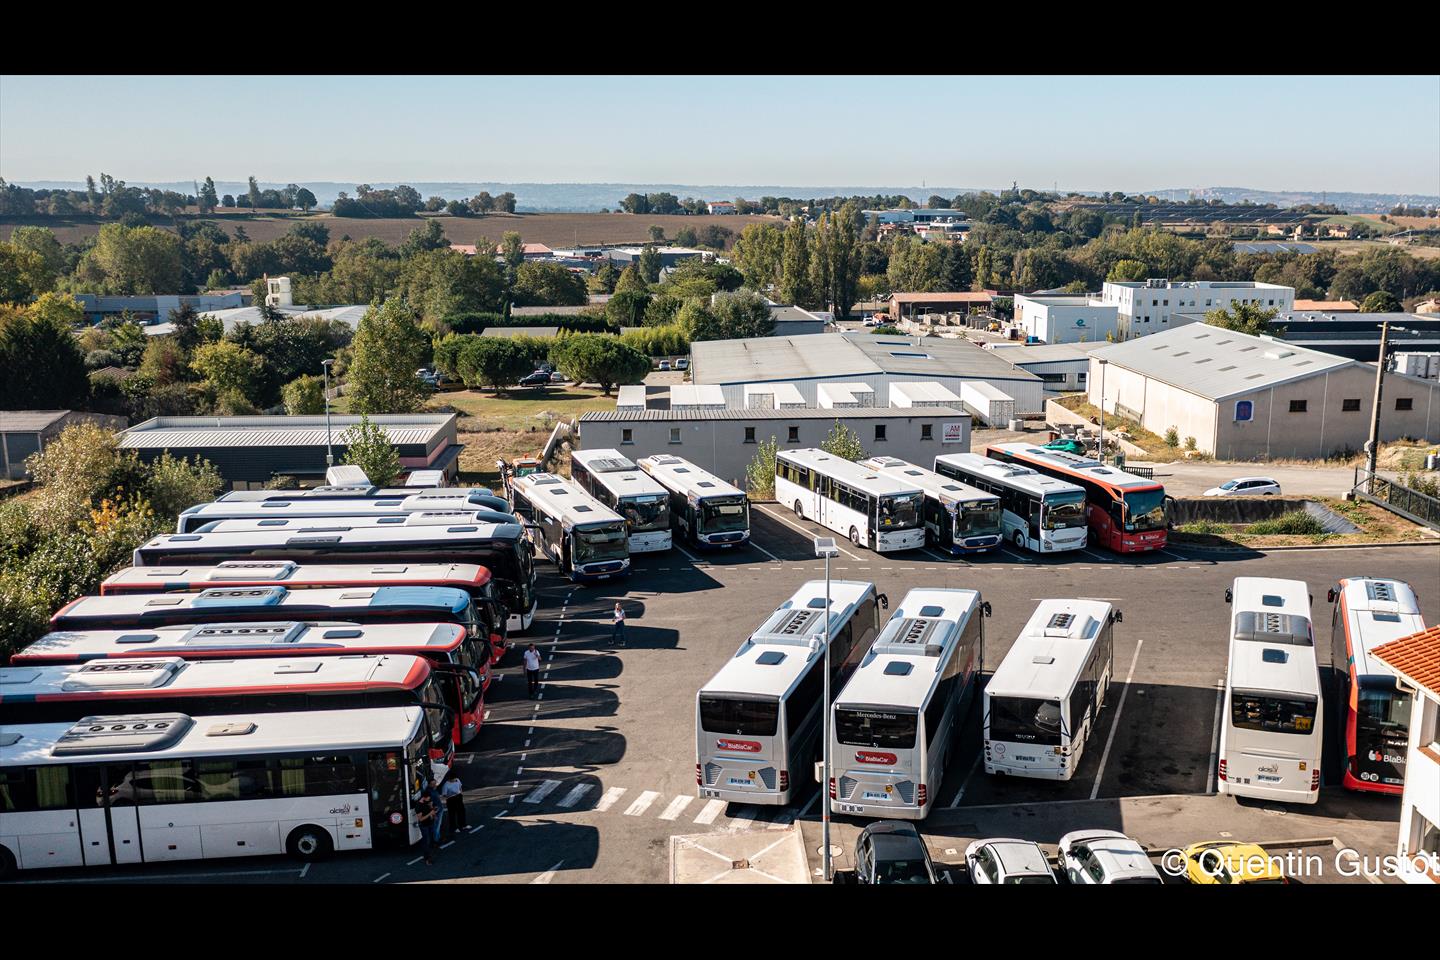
x: 1150, y: 306
x: 1415, y: 659
x: 1067, y: 319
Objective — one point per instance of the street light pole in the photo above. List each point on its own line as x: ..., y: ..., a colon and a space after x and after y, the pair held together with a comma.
x: 825, y: 547
x: 329, y: 451
x: 1103, y: 363
x: 1372, y: 449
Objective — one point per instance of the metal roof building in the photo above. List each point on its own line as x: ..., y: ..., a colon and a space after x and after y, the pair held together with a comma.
x: 875, y: 360
x: 26, y: 432
x: 1244, y: 397
x: 251, y: 451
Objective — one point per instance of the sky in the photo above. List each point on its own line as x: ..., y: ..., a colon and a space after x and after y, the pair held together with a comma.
x: 1363, y: 134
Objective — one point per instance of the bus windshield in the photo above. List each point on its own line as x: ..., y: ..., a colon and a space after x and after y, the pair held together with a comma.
x: 722, y: 516
x: 900, y: 513
x: 1025, y: 720
x: 875, y: 728
x: 1272, y: 714
x: 745, y: 718
x: 600, y: 543
x: 977, y: 519
x: 1064, y: 510
x: 1145, y: 509
x: 646, y: 513
x: 1384, y: 711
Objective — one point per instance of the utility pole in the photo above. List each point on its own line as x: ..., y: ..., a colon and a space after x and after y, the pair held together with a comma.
x: 1372, y: 449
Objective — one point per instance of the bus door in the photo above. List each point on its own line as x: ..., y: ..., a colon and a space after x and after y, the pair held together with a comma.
x: 109, y: 818
x: 1033, y: 506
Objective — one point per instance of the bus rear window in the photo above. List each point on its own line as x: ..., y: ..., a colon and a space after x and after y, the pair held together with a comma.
x: 1025, y: 720
x: 1253, y: 711
x: 875, y: 728
x: 750, y: 718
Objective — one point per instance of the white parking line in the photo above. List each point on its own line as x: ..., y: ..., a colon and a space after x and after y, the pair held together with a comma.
x: 546, y: 788
x: 608, y: 799
x: 764, y: 551
x: 1115, y: 721
x: 1017, y: 556
x: 782, y: 820
x: 1097, y: 556
x: 745, y: 818
x: 937, y: 556
x: 959, y: 794
x: 710, y: 812
x: 677, y: 806
x: 576, y: 792
x: 379, y: 878
x: 691, y: 557
x: 642, y: 803
x: 796, y: 526
x: 548, y: 875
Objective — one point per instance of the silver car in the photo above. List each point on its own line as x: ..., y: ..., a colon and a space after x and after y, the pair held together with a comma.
x: 1007, y: 860
x: 1246, y: 487
x: 1105, y: 856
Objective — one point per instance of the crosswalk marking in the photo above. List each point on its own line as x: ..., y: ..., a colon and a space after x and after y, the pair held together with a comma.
x: 576, y: 792
x: 745, y: 818
x: 541, y: 792
x: 608, y: 800
x: 641, y: 803
x: 782, y: 820
x: 710, y: 811
x: 676, y: 807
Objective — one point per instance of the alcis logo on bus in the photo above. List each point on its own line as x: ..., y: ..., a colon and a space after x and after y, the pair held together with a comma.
x: 740, y: 746
x: 867, y: 756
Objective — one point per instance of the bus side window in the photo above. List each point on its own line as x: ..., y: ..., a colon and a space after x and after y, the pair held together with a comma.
x: 805, y: 698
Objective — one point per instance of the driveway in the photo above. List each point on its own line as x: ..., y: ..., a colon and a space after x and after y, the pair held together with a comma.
x: 1193, y: 479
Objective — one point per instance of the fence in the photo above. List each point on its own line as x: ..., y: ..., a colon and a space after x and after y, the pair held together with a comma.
x: 1410, y: 504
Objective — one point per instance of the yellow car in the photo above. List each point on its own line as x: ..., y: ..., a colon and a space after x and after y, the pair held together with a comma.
x: 1223, y: 862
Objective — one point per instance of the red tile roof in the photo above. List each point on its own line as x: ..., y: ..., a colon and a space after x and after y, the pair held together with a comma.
x: 1416, y: 657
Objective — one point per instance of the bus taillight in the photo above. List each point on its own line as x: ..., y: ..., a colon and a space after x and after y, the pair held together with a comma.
x: 698, y: 780
x: 832, y: 788
x: 784, y: 780
x: 1222, y: 768
x: 1315, y: 779
x: 922, y: 795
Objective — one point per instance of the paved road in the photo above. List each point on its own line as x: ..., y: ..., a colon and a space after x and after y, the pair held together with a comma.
x: 589, y: 783
x: 1192, y: 479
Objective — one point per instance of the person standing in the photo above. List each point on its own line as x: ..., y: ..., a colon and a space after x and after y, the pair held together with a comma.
x: 532, y: 669
x: 618, y: 635
x: 453, y: 793
x: 425, y: 820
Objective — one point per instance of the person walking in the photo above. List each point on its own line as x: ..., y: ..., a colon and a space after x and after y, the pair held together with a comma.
x: 425, y: 820
x: 532, y: 669
x: 618, y: 635
x: 453, y: 793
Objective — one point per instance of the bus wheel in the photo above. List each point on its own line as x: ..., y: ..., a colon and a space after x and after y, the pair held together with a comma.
x: 1019, y: 540
x: 855, y: 536
x: 309, y: 843
x: 7, y: 864
x: 799, y: 511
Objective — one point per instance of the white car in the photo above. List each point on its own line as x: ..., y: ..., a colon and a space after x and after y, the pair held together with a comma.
x: 1006, y: 860
x: 682, y: 364
x: 1246, y: 487
x: 1105, y: 856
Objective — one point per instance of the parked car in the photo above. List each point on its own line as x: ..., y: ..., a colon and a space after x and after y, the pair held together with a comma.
x: 558, y: 377
x: 1105, y: 856
x: 664, y: 364
x: 1246, y: 487
x: 682, y: 364
x: 534, y: 379
x: 1006, y: 860
x: 889, y: 851
x: 1224, y: 862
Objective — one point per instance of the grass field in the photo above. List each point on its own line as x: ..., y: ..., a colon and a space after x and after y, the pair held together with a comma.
x: 551, y: 229
x: 1377, y: 525
x: 513, y: 424
x: 1407, y: 223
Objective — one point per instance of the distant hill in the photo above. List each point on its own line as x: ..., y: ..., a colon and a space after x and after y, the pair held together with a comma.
x: 1352, y: 202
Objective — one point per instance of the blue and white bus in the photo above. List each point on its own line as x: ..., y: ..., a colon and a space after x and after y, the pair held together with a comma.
x: 611, y: 478
x: 711, y: 512
x: 586, y: 539
x: 958, y: 517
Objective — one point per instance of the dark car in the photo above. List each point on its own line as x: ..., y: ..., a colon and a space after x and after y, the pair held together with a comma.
x: 535, y: 379
x: 891, y: 852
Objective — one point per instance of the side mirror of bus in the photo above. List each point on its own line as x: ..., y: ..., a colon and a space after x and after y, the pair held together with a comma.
x: 820, y: 772
x: 1330, y: 595
x: 1119, y: 617
x: 985, y: 608
x: 1229, y: 595
x: 884, y: 601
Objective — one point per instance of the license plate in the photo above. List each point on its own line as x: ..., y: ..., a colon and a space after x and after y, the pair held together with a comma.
x: 876, y: 795
x: 851, y: 808
x: 1266, y: 778
x: 709, y: 793
x: 1026, y: 759
x: 739, y: 782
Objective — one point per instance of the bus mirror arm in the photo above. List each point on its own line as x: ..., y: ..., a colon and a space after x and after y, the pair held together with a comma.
x: 1229, y: 595
x: 985, y: 608
x: 884, y: 601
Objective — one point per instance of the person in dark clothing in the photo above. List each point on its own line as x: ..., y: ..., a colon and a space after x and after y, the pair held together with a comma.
x: 425, y: 819
x: 453, y: 793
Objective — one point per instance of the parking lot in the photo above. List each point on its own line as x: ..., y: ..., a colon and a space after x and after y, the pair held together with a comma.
x: 591, y: 781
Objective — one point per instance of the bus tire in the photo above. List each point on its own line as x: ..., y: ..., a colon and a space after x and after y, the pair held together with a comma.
x: 1018, y: 540
x: 855, y: 537
x: 309, y: 843
x: 7, y: 864
x: 799, y: 510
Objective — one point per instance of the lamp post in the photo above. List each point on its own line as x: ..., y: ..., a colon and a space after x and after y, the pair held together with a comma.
x: 1372, y: 449
x: 329, y: 451
x: 825, y: 547
x: 1103, y: 363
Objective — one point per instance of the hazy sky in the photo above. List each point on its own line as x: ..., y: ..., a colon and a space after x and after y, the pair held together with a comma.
x: 1371, y: 134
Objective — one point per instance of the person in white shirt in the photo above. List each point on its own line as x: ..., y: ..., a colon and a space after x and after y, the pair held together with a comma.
x: 452, y: 792
x: 618, y: 636
x: 532, y: 669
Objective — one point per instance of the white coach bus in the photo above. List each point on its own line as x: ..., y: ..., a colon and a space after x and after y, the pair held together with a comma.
x: 295, y: 507
x: 711, y: 512
x: 893, y: 726
x: 1038, y: 513
x: 1043, y: 701
x: 757, y: 721
x: 586, y: 539
x: 614, y: 480
x: 958, y: 518
x: 132, y: 789
x: 874, y: 511
x: 1272, y: 726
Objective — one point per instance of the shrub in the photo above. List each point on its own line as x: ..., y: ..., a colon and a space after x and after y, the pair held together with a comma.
x: 304, y: 396
x: 760, y: 472
x: 1209, y: 527
x: 1190, y: 443
x: 1172, y: 438
x: 369, y: 448
x: 1297, y: 522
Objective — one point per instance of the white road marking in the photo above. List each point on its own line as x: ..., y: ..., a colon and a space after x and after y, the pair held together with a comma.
x: 379, y: 878
x: 1210, y: 784
x: 576, y: 792
x: 415, y: 861
x: 745, y: 818
x: 692, y: 558
x: 813, y: 800
x: 305, y: 871
x: 677, y: 806
x: 710, y: 811
x: 1095, y: 555
x: 1017, y: 556
x: 782, y: 820
x: 796, y: 526
x: 1115, y: 721
x: 542, y: 791
x: 642, y: 803
x: 548, y: 875
x: 764, y: 551
x: 937, y: 556
x: 608, y: 799
x: 960, y: 794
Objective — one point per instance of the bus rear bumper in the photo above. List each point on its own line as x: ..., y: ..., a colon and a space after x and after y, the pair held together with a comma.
x: 1059, y: 774
x: 884, y: 811
x: 1259, y: 792
x: 765, y: 798
x: 649, y: 543
x: 1351, y: 782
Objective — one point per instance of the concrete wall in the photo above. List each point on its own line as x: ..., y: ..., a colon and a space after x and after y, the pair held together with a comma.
x: 719, y: 446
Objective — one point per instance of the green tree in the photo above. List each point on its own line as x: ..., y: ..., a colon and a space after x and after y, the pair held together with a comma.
x: 631, y: 280
x: 22, y: 274
x: 440, y: 283
x: 134, y: 261
x: 1381, y: 301
x: 656, y: 233
x: 43, y: 242
x: 229, y: 367
x: 548, y: 285
x: 164, y: 363
x: 1242, y: 317
x: 495, y: 362
x: 368, y: 447
x: 760, y: 472
x: 649, y: 264
x: 1127, y: 271
x: 759, y: 252
x: 795, y: 265
x: 41, y: 364
x: 843, y: 442
x: 599, y: 358
x: 627, y: 308
x: 389, y: 346
x: 729, y: 316
x: 208, y: 199
x: 304, y: 396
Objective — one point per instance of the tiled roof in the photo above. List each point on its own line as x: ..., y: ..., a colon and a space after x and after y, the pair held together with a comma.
x: 1416, y: 657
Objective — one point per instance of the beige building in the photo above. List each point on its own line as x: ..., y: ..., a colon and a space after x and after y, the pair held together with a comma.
x: 1253, y: 398
x: 1416, y: 660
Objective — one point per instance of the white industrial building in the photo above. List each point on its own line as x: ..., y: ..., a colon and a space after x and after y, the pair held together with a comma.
x: 1062, y: 366
x: 1151, y: 306
x: 921, y: 394
x: 773, y: 396
x: 875, y: 360
x: 1064, y: 319
x: 1416, y: 660
x: 631, y: 398
x: 844, y: 396
x: 692, y: 396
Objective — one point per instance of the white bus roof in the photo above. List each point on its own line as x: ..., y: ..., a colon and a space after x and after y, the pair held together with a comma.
x: 158, y: 579
x: 1379, y: 611
x: 772, y: 658
x: 618, y: 474
x: 1009, y: 474
x: 944, y: 489
x: 904, y: 664
x: 220, y: 735
x: 683, y: 477
x: 174, y: 674
x: 1272, y: 645
x: 262, y: 638
x: 274, y: 602
x: 847, y: 472
x: 399, y: 506
x: 425, y: 478
x: 241, y: 540
x: 563, y: 499
x: 1084, y: 466
x: 1051, y: 650
x: 350, y: 492
x: 416, y: 518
